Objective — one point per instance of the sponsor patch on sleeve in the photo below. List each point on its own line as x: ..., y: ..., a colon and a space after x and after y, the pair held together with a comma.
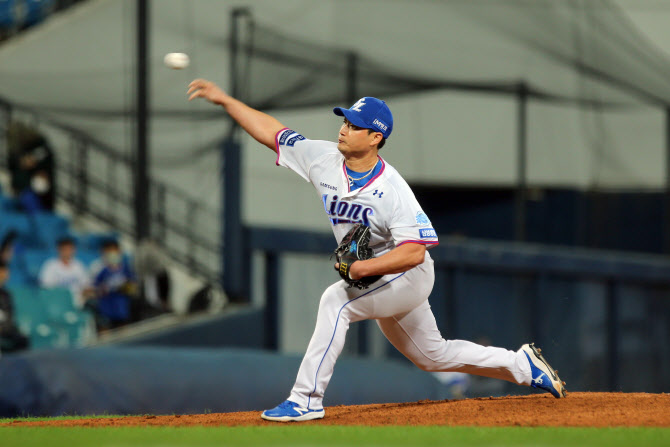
x: 294, y: 139
x: 426, y: 233
x: 284, y: 135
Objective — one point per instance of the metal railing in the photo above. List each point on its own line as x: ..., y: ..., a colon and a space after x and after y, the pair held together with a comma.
x: 97, y: 180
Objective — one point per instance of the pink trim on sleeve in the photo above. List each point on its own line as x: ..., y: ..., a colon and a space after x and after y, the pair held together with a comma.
x: 431, y: 243
x: 277, y: 144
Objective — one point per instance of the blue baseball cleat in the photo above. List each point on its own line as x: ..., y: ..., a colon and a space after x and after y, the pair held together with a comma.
x: 544, y: 377
x: 288, y: 411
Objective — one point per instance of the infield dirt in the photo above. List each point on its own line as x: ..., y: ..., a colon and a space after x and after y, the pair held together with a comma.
x: 577, y: 410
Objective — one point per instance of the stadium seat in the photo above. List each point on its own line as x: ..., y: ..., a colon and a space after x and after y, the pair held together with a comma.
x: 87, y: 257
x: 57, y: 303
x: 37, y: 11
x: 44, y: 336
x: 15, y: 221
x: 28, y: 308
x: 94, y: 241
x: 68, y: 322
x: 7, y: 204
x: 38, y: 230
x: 18, y: 277
x: 49, y: 227
x: 31, y: 261
x: 8, y: 14
x: 49, y: 317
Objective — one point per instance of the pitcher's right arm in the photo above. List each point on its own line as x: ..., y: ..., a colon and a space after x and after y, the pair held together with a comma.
x: 261, y: 126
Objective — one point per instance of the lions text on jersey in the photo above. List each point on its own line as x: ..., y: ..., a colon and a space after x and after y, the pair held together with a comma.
x: 385, y: 203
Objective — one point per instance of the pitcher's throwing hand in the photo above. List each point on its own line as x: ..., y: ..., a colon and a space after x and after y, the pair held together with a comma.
x: 201, y: 88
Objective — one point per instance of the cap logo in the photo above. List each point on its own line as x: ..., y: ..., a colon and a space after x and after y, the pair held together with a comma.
x: 379, y: 124
x: 357, y: 107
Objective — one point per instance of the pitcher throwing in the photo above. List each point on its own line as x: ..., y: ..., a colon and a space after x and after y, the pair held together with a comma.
x: 356, y: 186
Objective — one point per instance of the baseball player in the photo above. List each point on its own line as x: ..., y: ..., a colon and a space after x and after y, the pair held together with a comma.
x: 355, y: 185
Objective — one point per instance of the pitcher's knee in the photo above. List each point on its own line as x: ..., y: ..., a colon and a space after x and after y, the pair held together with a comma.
x: 432, y: 360
x: 427, y: 365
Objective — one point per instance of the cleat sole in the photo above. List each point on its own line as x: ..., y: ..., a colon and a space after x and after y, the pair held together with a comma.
x: 552, y: 371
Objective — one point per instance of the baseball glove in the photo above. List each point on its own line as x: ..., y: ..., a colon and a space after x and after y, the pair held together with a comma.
x: 354, y: 247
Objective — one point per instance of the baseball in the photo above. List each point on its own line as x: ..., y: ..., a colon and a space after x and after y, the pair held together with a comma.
x: 176, y: 61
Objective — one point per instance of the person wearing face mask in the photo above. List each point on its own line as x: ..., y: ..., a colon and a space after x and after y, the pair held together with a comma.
x: 31, y: 165
x: 115, y: 285
x: 38, y: 196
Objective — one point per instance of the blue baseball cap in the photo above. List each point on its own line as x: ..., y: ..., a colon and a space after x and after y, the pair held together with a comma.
x: 369, y: 113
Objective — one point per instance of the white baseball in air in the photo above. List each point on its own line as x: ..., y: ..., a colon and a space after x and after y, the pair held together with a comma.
x: 176, y: 61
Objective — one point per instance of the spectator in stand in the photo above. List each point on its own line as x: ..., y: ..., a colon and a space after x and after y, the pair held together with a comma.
x: 65, y: 271
x: 31, y: 165
x: 11, y: 338
x: 116, y: 288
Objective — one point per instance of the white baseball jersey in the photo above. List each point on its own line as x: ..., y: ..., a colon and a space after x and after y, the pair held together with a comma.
x: 73, y: 276
x: 385, y: 203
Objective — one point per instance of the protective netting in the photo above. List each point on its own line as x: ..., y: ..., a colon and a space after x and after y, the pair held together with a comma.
x: 583, y: 52
x: 597, y: 87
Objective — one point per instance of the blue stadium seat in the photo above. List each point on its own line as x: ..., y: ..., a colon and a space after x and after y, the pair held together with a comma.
x: 28, y: 308
x: 38, y: 10
x: 57, y: 303
x: 21, y: 13
x: 73, y: 334
x: 15, y: 221
x: 38, y: 230
x: 68, y: 323
x: 87, y: 257
x: 49, y: 228
x: 45, y: 336
x: 31, y: 261
x: 49, y: 318
x: 7, y: 204
x: 94, y: 241
x: 8, y: 14
x: 18, y: 277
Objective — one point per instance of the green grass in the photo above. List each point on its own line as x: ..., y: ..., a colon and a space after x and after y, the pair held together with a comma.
x: 295, y: 435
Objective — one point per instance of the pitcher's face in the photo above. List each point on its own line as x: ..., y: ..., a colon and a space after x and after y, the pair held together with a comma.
x: 356, y: 140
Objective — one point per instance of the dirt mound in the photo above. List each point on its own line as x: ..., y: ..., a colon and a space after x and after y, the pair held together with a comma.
x: 578, y: 410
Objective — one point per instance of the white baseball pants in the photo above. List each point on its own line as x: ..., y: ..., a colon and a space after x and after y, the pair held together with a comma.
x: 399, y: 303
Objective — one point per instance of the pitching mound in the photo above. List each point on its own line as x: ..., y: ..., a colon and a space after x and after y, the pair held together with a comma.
x: 578, y: 410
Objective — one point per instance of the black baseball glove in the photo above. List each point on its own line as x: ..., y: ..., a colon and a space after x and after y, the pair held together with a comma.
x: 354, y: 247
